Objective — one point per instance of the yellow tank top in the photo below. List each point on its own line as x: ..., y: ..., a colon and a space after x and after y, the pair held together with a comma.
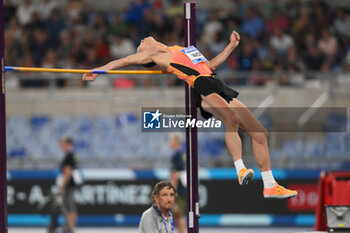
x: 188, y: 64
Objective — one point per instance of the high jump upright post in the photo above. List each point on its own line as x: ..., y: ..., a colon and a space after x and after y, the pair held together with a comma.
x: 191, y: 133
x: 3, y: 170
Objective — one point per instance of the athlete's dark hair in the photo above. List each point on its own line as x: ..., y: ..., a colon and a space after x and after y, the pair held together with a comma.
x: 149, y: 65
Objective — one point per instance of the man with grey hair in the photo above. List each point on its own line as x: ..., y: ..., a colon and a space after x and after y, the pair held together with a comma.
x: 158, y: 218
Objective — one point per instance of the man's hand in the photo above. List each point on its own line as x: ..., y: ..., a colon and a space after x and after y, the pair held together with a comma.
x: 90, y: 77
x: 234, y: 38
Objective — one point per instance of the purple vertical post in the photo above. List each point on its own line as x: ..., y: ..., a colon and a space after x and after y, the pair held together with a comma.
x: 191, y: 133
x: 3, y: 170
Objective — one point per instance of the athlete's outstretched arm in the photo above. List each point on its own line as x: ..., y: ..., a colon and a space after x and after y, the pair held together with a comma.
x: 222, y: 57
x: 137, y: 58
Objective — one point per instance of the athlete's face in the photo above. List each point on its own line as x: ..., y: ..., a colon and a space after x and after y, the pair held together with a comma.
x: 165, y: 199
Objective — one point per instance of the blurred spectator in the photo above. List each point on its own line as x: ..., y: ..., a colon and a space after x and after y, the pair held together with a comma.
x: 293, y: 9
x: 28, y: 81
x: 211, y: 27
x: 231, y: 25
x: 270, y: 7
x: 70, y: 63
x: 36, y: 21
x: 134, y: 14
x: 293, y: 60
x: 12, y: 36
x: 301, y: 26
x: 69, y: 182
x: 245, y: 61
x: 246, y: 57
x: 321, y: 18
x: 158, y: 5
x: 50, y: 60
x: 281, y: 42
x: 313, y: 59
x: 177, y: 31
x: 328, y: 44
x: 218, y: 44
x: 278, y: 21
x: 309, y: 40
x: 229, y: 10
x: 119, y: 26
x: 175, y: 9
x: 314, y: 4
x: 25, y: 12
x: 252, y: 24
x: 145, y: 28
x: 342, y: 24
x: 79, y: 26
x: 39, y: 45
x: 279, y: 75
x: 65, y: 44
x: 160, y: 26
x: 45, y: 7
x: 242, y: 6
x: 270, y: 60
x: 90, y: 59
x: 54, y: 25
x: 27, y: 59
x: 73, y: 9
x: 79, y: 52
x: 9, y: 10
x: 121, y: 47
x: 100, y: 26
x: 256, y: 78
x: 262, y: 50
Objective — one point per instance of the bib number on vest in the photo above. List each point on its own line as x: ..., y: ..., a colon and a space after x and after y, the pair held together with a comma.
x: 193, y: 54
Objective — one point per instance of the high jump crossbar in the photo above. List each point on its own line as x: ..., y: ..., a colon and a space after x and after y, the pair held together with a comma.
x: 82, y: 71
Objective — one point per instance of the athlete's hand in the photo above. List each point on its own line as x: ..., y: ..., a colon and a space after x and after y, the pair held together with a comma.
x: 235, y: 38
x: 89, y: 77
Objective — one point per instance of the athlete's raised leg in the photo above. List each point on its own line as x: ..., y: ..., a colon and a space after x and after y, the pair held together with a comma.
x: 221, y: 110
x: 256, y: 130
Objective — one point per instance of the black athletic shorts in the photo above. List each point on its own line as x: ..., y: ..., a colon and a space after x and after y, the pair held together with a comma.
x: 206, y: 85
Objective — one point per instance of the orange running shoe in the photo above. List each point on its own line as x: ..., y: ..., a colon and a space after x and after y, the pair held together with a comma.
x: 245, y: 175
x: 279, y: 192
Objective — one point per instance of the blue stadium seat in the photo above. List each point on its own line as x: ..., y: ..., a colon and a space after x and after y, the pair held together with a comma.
x: 335, y: 144
x: 37, y: 122
x: 120, y: 139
